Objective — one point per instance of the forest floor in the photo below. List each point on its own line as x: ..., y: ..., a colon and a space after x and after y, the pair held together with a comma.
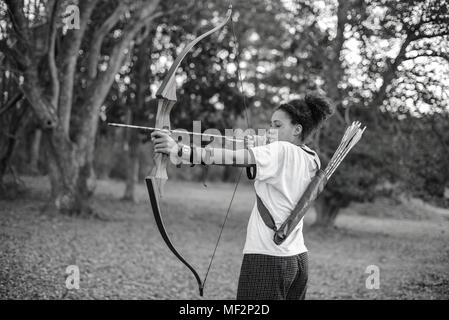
x: 124, y: 256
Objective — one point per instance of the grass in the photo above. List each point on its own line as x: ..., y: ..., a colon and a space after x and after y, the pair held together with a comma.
x: 125, y: 257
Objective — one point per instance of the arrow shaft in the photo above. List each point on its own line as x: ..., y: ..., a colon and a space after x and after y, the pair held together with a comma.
x: 172, y: 131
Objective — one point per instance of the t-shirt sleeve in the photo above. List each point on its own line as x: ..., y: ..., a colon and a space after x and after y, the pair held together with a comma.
x: 269, y: 160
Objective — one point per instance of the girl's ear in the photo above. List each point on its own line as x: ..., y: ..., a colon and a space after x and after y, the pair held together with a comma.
x: 297, y: 132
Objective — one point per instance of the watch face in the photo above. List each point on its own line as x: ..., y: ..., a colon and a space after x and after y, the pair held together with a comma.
x: 185, y: 152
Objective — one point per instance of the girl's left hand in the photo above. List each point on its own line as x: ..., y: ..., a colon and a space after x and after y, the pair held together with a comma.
x: 251, y: 141
x: 163, y: 143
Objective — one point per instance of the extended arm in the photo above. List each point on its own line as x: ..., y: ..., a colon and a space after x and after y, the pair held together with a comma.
x: 163, y: 143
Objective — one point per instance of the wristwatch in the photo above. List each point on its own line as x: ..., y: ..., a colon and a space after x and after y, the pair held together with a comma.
x: 185, y: 153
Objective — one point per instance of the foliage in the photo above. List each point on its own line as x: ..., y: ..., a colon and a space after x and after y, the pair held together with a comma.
x: 425, y: 156
x: 380, y: 61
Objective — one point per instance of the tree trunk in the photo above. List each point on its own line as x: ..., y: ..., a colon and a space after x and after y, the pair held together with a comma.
x: 229, y: 174
x: 132, y: 167
x: 131, y: 145
x: 34, y: 151
x: 64, y: 165
x: 87, y: 178
x: 325, y: 214
x: 134, y: 115
x: 17, y: 121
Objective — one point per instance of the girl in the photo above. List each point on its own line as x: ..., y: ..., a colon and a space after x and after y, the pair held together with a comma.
x: 284, y: 169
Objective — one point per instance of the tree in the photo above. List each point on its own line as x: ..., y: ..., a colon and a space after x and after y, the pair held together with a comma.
x: 54, y: 63
x: 419, y: 29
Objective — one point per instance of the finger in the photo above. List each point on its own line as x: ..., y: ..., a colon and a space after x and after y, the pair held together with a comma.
x: 155, y: 134
x: 161, y: 144
x: 159, y: 140
x: 159, y: 134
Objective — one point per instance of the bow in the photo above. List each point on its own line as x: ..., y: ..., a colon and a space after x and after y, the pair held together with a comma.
x: 155, y: 181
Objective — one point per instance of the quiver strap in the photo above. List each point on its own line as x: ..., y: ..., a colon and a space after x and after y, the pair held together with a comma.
x: 265, y: 214
x: 312, y: 191
x: 315, y: 187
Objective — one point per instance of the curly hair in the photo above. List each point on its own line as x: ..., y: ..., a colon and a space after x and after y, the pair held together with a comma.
x: 309, y: 112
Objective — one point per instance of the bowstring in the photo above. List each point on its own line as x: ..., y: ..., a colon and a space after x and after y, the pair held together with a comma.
x: 239, y: 78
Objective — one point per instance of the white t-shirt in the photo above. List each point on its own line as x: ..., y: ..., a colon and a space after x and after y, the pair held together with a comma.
x: 284, y: 171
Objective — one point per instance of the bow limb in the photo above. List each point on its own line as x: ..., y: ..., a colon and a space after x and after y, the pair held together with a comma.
x: 166, y: 95
x: 168, y: 87
x: 154, y: 199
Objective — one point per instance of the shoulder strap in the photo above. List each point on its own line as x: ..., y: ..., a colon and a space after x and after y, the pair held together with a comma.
x: 316, y: 159
x: 312, y: 191
x: 265, y: 214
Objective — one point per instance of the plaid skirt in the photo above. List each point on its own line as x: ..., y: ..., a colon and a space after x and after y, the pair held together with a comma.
x: 264, y: 277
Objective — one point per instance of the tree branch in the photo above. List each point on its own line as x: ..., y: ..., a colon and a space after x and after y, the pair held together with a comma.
x: 51, y: 54
x: 13, y: 55
x: 389, y: 74
x: 421, y: 36
x: 433, y: 54
x: 99, y: 88
x: 67, y: 61
x: 18, y: 20
x: 146, y: 14
x: 12, y: 102
x: 97, y: 40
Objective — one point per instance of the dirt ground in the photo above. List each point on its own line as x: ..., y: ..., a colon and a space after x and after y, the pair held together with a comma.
x: 124, y: 256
